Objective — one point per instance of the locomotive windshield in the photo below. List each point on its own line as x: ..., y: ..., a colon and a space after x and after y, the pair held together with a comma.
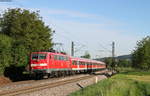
x: 38, y: 56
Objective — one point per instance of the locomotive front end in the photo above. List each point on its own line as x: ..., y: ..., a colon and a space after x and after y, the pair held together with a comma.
x: 38, y: 63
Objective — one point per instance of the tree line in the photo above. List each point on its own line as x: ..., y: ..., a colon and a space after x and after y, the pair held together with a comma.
x: 140, y: 56
x: 22, y: 32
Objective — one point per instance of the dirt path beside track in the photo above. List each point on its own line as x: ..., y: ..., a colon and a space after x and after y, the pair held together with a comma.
x: 4, y: 80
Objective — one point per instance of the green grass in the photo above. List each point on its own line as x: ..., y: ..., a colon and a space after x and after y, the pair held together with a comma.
x: 131, y: 71
x: 131, y: 83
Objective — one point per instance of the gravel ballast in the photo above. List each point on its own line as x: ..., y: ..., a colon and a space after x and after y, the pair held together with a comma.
x: 21, y: 84
x: 66, y: 89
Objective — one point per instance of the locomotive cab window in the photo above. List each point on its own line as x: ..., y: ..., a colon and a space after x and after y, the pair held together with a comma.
x: 42, y: 56
x: 38, y: 56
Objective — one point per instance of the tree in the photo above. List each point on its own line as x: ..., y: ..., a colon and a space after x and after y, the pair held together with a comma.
x: 108, y: 61
x: 124, y: 63
x: 86, y: 55
x: 5, y: 51
x: 28, y: 32
x: 141, y: 54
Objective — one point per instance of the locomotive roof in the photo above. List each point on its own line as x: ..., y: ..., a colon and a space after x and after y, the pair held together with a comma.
x: 50, y: 53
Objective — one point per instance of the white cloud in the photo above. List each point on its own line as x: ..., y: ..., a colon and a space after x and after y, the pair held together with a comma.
x: 70, y: 13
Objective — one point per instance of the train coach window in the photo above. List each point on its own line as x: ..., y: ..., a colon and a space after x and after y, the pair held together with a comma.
x: 80, y: 63
x: 67, y: 58
x: 73, y: 62
x: 59, y: 57
x: 64, y: 58
x: 55, y: 57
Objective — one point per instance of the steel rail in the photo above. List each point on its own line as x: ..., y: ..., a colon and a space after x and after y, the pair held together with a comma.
x: 41, y: 87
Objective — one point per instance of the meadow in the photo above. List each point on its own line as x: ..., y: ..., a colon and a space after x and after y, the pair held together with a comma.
x: 128, y: 82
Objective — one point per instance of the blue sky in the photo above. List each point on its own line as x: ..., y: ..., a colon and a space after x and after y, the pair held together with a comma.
x: 93, y: 24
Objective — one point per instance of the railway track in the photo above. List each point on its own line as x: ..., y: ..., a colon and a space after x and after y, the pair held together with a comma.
x: 40, y: 87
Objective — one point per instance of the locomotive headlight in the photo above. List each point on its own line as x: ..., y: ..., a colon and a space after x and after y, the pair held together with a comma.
x: 41, y: 64
x: 33, y: 65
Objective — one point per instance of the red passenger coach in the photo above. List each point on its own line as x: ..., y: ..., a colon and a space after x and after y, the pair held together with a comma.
x: 56, y: 64
x: 87, y: 65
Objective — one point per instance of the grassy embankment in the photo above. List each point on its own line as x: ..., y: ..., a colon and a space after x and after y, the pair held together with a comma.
x: 128, y: 82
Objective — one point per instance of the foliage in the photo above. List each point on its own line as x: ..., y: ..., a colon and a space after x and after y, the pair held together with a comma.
x: 27, y: 29
x: 118, y: 62
x: 28, y: 33
x: 118, y: 85
x: 108, y: 62
x: 124, y: 63
x: 141, y: 55
x: 5, y: 51
x: 86, y: 55
x: 133, y: 71
x: 127, y: 70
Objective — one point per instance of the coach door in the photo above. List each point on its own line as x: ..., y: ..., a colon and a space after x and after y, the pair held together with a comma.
x: 89, y: 67
x: 68, y: 63
x: 78, y: 65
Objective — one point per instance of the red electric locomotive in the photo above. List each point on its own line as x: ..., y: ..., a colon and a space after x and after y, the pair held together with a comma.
x: 48, y: 63
x: 56, y: 64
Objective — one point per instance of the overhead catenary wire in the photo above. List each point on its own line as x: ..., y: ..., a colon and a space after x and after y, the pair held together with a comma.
x: 66, y: 32
x: 67, y: 36
x: 104, y: 47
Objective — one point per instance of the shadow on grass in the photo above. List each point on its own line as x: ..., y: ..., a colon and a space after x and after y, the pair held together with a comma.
x: 15, y: 73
